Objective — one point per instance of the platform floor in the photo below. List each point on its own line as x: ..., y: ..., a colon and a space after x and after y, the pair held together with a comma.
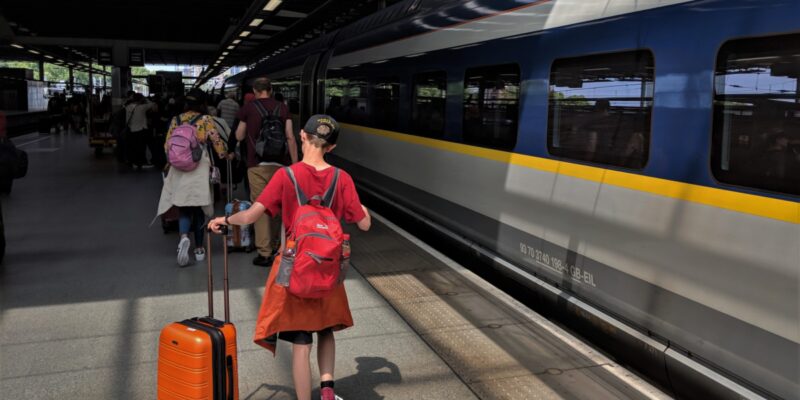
x: 86, y: 286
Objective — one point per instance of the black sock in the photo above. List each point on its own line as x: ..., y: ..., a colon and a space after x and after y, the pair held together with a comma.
x: 325, y: 384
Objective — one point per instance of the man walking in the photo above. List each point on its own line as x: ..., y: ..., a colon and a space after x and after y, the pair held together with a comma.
x: 228, y: 108
x: 256, y: 119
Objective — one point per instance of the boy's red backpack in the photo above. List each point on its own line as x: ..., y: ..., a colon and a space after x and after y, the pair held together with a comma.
x: 312, y: 263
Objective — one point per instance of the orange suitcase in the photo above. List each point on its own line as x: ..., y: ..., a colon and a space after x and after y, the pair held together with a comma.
x: 197, y: 356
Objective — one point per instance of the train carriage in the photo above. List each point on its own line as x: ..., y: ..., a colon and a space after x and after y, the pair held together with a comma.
x: 641, y: 157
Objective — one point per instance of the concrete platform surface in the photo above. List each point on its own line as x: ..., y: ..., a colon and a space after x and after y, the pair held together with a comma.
x: 86, y: 287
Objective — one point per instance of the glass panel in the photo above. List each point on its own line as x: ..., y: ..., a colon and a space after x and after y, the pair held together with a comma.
x: 491, y: 106
x: 600, y: 108
x: 428, y: 106
x: 386, y: 103
x: 346, y: 99
x: 756, y: 135
x: 288, y: 91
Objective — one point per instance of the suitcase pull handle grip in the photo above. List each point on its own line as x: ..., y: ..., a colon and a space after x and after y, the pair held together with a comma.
x: 223, y: 230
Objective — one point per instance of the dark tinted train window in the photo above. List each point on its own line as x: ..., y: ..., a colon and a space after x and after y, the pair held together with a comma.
x: 491, y: 106
x: 289, y: 89
x: 428, y: 104
x: 385, y: 103
x: 600, y: 108
x: 756, y: 134
x: 347, y: 99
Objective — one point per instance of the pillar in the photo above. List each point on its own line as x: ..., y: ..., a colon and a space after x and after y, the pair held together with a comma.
x: 120, y: 85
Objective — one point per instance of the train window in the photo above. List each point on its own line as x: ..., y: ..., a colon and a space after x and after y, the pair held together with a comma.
x: 428, y: 105
x: 289, y: 89
x: 756, y: 128
x: 491, y: 106
x: 347, y: 99
x: 385, y: 103
x: 600, y: 108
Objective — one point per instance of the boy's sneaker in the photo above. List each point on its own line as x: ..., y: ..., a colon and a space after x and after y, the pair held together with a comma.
x: 328, y: 394
x: 183, y: 251
x: 200, y: 254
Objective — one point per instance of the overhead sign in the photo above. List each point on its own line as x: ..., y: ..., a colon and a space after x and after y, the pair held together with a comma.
x: 136, y: 57
x: 104, y: 56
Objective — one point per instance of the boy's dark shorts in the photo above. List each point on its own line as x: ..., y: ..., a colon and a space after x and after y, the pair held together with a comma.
x: 301, y: 337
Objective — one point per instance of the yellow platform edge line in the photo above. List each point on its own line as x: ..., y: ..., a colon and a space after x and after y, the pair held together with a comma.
x: 767, y: 207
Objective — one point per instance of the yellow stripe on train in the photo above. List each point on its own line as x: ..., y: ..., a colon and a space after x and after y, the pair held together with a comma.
x: 782, y: 210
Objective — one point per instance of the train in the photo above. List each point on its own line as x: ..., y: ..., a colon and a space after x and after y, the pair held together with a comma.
x: 634, y: 163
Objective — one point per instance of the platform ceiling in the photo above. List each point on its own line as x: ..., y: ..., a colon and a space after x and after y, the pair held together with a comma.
x: 170, y: 31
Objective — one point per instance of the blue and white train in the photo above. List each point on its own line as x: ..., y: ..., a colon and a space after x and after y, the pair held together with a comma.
x: 635, y: 162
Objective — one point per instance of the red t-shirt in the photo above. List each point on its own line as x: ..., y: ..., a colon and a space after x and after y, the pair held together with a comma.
x: 249, y: 115
x: 280, y: 194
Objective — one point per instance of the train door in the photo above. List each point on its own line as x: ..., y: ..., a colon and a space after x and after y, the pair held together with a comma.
x: 322, y: 73
x: 307, y: 92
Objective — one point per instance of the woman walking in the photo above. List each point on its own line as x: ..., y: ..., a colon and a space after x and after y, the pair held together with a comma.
x: 191, y: 191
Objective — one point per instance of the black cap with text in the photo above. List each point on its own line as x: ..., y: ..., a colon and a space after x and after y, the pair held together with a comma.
x: 324, y: 127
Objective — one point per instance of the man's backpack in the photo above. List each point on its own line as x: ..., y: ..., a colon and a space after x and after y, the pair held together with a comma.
x: 270, y: 145
x: 183, y: 148
x: 313, y: 261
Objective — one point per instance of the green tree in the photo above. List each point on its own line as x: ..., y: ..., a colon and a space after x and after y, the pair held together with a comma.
x: 55, y: 73
x: 31, y: 65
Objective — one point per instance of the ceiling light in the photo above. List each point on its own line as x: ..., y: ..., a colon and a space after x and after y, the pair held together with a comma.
x: 231, y: 47
x: 245, y: 34
x: 272, y: 5
x: 224, y: 53
x: 48, y: 56
x: 17, y: 46
x: 33, y: 51
x: 237, y: 41
x: 256, y: 22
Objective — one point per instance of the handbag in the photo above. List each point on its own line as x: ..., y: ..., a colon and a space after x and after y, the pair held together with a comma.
x: 215, y: 176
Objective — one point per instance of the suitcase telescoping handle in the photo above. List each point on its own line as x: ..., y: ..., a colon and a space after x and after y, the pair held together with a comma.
x: 229, y: 189
x: 225, y: 287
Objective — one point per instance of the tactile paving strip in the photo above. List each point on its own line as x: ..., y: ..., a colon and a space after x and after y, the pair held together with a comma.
x: 461, y: 311
x: 498, y: 353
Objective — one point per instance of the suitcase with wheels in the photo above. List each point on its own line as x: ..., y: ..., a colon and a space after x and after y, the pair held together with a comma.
x: 197, y: 357
x: 240, y: 238
x: 169, y: 219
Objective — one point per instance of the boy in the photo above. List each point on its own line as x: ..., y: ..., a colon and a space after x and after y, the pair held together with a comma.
x: 282, y: 315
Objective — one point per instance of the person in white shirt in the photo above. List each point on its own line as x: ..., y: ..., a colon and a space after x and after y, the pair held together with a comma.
x: 228, y: 108
x: 136, y: 114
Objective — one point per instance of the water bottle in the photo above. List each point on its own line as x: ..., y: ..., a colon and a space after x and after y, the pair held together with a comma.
x: 286, y: 265
x: 345, y: 261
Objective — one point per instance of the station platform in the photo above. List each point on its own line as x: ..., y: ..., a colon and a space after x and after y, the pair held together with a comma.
x: 87, y: 285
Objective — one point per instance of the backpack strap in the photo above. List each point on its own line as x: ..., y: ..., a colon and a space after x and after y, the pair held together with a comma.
x: 330, y: 194
x: 326, y: 200
x: 195, y: 119
x: 302, y: 199
x: 276, y: 112
x: 261, y: 110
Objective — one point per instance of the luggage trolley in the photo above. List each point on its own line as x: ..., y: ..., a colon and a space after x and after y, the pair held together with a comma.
x: 100, y: 136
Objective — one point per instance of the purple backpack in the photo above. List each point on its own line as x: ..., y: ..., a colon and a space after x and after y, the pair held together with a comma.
x: 183, y: 149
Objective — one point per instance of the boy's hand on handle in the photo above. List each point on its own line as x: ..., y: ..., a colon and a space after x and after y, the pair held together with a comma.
x: 216, y: 224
